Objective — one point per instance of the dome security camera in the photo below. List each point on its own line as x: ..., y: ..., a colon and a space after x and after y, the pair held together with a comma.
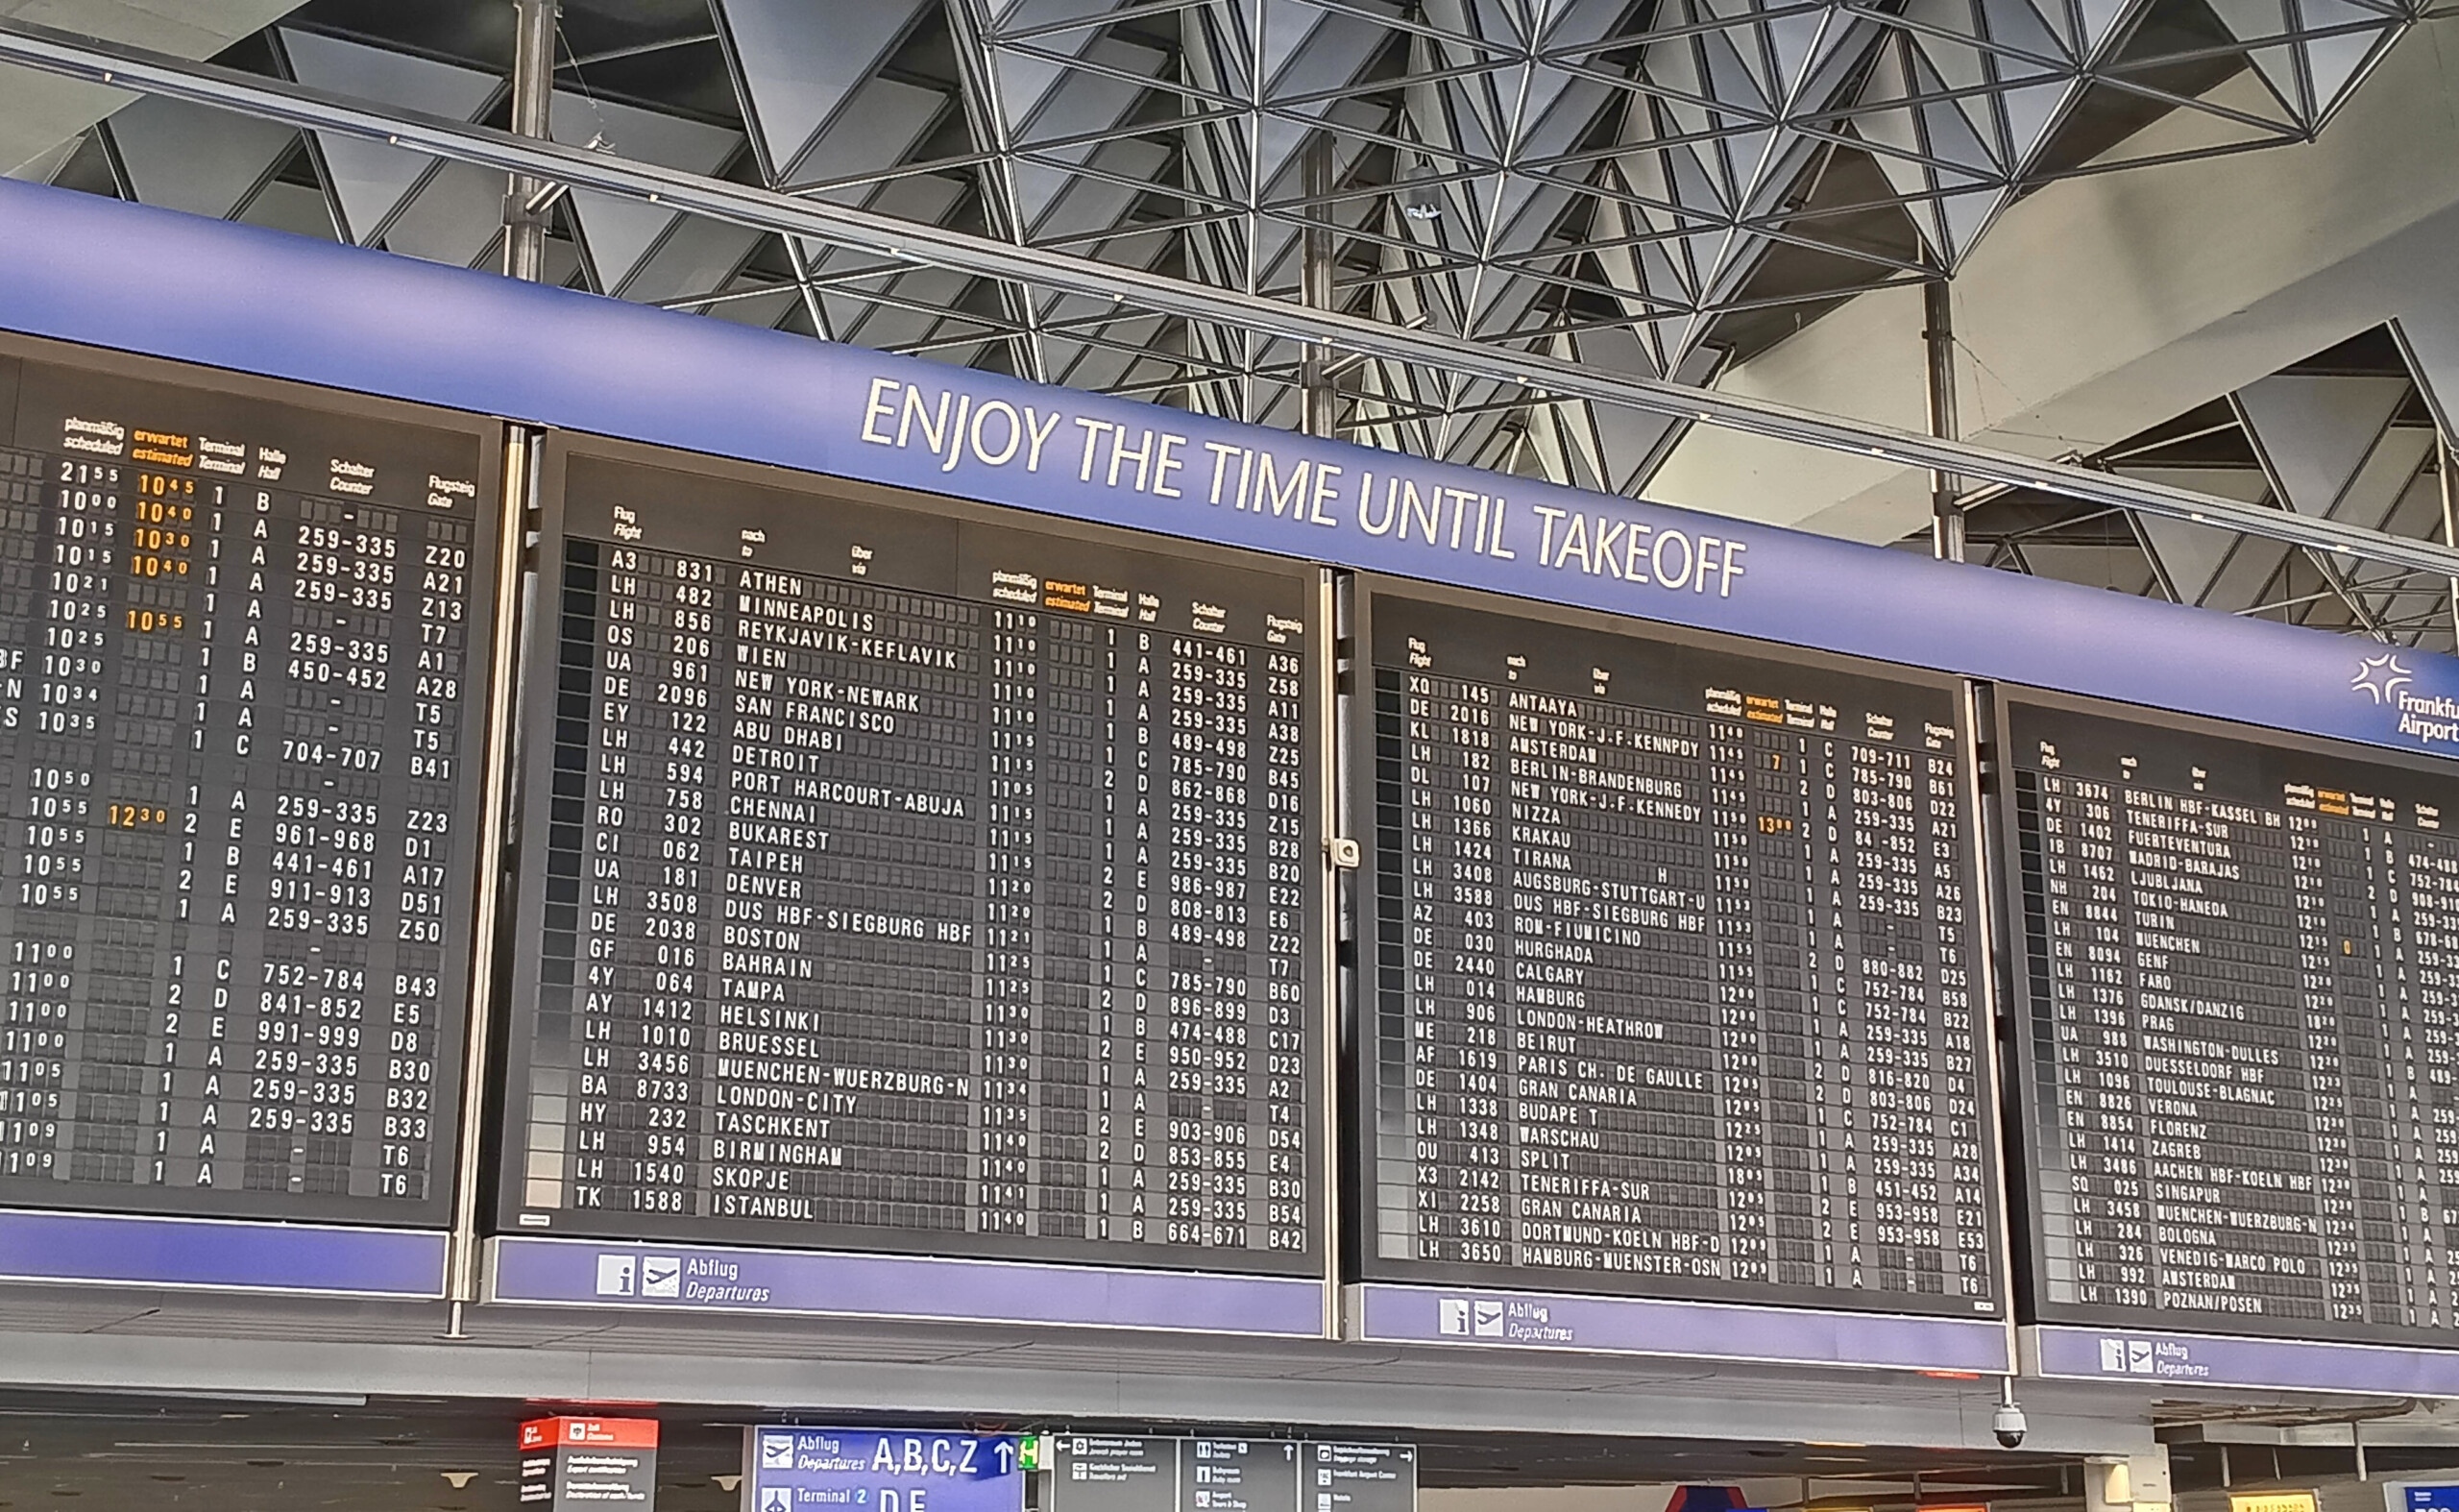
x: 2009, y: 1425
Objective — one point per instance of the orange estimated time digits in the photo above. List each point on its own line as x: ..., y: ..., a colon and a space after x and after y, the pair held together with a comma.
x: 165, y: 509
x: 160, y: 542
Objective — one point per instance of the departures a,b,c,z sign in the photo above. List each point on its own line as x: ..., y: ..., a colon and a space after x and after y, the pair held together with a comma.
x: 840, y: 1470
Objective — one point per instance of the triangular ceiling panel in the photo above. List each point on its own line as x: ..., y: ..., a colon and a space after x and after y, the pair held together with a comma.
x: 2333, y: 63
x: 2096, y: 25
x: 2427, y: 333
x: 194, y: 158
x: 1931, y: 154
x: 1829, y: 45
x: 2314, y: 431
x: 695, y: 260
x: 298, y: 208
x: 1965, y: 217
x: 45, y: 166
x: 2267, y: 21
x: 2245, y: 485
x: 2191, y: 554
x: 1634, y: 442
x: 2250, y: 566
x: 1309, y: 51
x: 894, y: 115
x: 1025, y: 81
x: 1083, y: 103
x: 455, y: 217
x: 2032, y: 110
x: 370, y: 181
x: 2384, y: 481
x: 799, y: 62
x: 2022, y: 40
x: 1739, y: 34
x: 2196, y: 555
x: 619, y: 231
x: 2118, y: 567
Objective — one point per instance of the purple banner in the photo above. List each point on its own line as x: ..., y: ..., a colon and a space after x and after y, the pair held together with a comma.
x: 868, y: 1470
x: 2171, y: 1359
x: 699, y: 1277
x: 1705, y: 1330
x: 262, y: 302
x: 92, y: 1247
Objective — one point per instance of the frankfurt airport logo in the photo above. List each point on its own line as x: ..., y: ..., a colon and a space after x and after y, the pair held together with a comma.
x: 2381, y: 676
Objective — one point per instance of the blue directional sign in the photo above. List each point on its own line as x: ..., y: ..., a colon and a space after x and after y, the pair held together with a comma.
x: 866, y: 1470
x: 2433, y: 1499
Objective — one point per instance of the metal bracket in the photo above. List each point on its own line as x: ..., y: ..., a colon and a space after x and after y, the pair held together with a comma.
x: 1342, y: 852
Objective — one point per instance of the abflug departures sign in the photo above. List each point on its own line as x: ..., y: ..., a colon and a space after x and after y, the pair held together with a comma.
x: 2239, y: 1097
x: 1676, y: 977
x: 834, y: 1470
x: 244, y: 646
x: 901, y: 880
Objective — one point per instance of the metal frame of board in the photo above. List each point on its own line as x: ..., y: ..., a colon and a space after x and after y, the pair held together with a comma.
x: 2069, y: 1340
x: 853, y: 1274
x: 149, y: 1238
x: 1401, y: 1302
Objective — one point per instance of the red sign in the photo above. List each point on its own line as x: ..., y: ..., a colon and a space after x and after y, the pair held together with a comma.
x: 589, y: 1433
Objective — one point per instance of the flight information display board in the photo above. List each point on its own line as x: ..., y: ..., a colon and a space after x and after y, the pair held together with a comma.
x: 244, y: 643
x: 1673, y: 984
x: 900, y: 876
x: 2239, y: 972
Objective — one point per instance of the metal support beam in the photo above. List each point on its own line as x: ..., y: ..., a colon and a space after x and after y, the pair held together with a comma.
x: 526, y: 201
x: 464, y: 1257
x: 2359, y: 612
x: 986, y: 108
x: 1321, y: 397
x: 1938, y: 337
x: 1545, y: 377
x: 2445, y: 464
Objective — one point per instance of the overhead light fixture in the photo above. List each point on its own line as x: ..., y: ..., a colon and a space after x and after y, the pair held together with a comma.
x: 460, y: 1479
x: 1421, y: 196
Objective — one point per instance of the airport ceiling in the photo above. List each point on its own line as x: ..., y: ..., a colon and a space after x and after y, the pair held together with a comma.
x: 2348, y: 433
x: 1660, y: 187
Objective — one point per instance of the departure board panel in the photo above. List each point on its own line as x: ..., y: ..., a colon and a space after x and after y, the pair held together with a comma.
x: 901, y: 876
x: 1674, y: 972
x: 244, y: 639
x: 2239, y: 962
